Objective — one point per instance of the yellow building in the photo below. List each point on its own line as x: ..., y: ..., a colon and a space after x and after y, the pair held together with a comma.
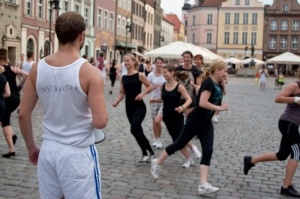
x: 240, y: 25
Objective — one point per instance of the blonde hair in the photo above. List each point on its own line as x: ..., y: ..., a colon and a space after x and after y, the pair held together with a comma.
x: 133, y: 58
x: 218, y: 65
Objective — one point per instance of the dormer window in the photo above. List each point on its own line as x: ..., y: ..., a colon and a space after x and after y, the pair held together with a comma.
x: 285, y: 8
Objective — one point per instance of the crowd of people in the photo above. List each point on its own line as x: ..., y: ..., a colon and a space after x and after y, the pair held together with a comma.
x: 186, y: 96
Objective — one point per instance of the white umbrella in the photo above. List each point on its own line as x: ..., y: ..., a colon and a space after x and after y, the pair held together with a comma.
x: 174, y: 51
x: 137, y: 53
x: 285, y: 58
x: 257, y: 61
x: 232, y: 60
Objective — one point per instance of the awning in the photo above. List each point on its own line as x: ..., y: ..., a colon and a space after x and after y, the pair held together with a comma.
x: 123, y: 44
x: 141, y: 48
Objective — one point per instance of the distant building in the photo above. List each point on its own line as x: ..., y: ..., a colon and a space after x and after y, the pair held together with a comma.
x: 10, y: 29
x: 138, y: 24
x: 158, y: 11
x: 148, y: 27
x: 282, y: 28
x: 179, y: 30
x: 167, y: 31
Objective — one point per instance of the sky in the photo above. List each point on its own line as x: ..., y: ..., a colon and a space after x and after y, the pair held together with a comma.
x: 174, y: 6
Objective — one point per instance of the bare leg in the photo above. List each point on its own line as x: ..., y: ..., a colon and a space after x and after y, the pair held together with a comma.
x: 157, y: 126
x: 289, y: 173
x: 271, y: 156
x: 162, y: 158
x: 8, y: 133
x: 203, y: 169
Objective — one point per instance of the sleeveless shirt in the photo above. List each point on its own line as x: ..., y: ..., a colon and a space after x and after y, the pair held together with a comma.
x: 11, y: 78
x: 171, y: 101
x: 132, y: 86
x: 67, y: 114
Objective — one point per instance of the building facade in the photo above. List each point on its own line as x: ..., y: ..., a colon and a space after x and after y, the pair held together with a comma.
x: 10, y: 28
x: 138, y: 24
x: 149, y: 25
x: 282, y: 28
x: 158, y: 11
x: 240, y: 26
x: 38, y: 33
x: 202, y: 24
x: 104, y: 26
x: 167, y: 31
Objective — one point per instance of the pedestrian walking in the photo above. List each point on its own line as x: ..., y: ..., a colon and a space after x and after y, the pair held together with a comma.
x: 263, y: 76
x: 131, y: 89
x: 156, y: 80
x: 70, y: 90
x: 289, y: 123
x: 112, y: 75
x: 199, y: 123
x: 12, y: 102
x: 27, y: 64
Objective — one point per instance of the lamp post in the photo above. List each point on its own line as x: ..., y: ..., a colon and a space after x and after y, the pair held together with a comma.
x: 56, y: 7
x: 128, y: 29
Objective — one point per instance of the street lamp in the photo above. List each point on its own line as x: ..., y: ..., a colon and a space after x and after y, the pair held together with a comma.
x: 128, y: 29
x: 56, y: 7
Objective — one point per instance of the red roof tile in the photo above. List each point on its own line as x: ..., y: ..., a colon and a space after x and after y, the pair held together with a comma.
x: 174, y: 20
x: 212, y: 3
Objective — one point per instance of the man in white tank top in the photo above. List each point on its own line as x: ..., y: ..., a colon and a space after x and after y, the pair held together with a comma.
x: 27, y: 65
x: 70, y: 90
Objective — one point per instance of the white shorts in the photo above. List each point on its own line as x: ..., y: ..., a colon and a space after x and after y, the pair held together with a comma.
x: 69, y: 172
x: 156, y: 109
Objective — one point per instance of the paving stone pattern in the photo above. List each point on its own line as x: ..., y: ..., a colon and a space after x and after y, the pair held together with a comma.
x: 248, y: 127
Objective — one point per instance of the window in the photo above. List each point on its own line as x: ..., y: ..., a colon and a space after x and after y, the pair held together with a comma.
x: 194, y: 20
x: 226, y: 38
x: 245, y: 19
x: 66, y: 6
x: 254, y: 18
x: 273, y: 25
x: 111, y: 22
x: 99, y: 24
x: 247, y: 2
x: 227, y: 18
x: 86, y: 51
x: 283, y: 43
x: 86, y: 16
x: 236, y: 18
x: 30, y: 45
x: 285, y: 8
x: 46, y: 48
x: 119, y: 26
x: 193, y: 38
x: 235, y: 38
x: 129, y: 5
x: 244, y: 39
x: 284, y: 25
x: 123, y: 27
x: 28, y: 7
x: 237, y: 2
x: 208, y: 38
x: 40, y: 9
x: 272, y: 43
x: 77, y: 9
x: 294, y: 43
x: 295, y: 26
x: 120, y: 3
x: 253, y: 38
x: 105, y: 20
x: 209, y: 19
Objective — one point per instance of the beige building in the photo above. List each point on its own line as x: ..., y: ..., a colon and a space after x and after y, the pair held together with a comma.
x: 167, y: 31
x: 10, y: 29
x: 149, y: 27
x: 240, y: 25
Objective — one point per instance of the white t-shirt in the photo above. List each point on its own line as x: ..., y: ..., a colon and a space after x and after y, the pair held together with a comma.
x: 123, y: 69
x: 26, y: 66
x: 156, y: 81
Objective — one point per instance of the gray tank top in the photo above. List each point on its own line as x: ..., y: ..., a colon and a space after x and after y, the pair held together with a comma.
x: 292, y: 111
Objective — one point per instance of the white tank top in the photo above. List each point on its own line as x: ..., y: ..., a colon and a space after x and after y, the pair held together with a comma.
x: 67, y: 114
x: 26, y: 66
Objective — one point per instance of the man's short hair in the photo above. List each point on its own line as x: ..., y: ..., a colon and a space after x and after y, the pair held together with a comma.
x: 101, y: 54
x: 29, y: 54
x: 69, y: 26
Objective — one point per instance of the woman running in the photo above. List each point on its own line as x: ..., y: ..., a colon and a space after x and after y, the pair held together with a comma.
x: 131, y: 86
x: 199, y: 123
x: 112, y: 75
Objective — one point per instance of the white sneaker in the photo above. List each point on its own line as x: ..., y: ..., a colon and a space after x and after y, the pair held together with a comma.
x: 154, y: 169
x: 218, y: 116
x: 145, y: 158
x: 158, y: 144
x: 215, y: 119
x: 188, y: 163
x: 196, y: 152
x: 151, y: 157
x: 207, y: 188
x: 154, y: 143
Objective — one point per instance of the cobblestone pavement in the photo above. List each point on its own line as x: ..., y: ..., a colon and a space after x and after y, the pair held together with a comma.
x: 248, y: 127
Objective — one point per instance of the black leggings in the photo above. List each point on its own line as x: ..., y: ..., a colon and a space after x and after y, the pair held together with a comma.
x: 174, y: 126
x: 112, y: 77
x: 290, y: 141
x: 205, y: 132
x: 136, y: 116
x: 11, y: 104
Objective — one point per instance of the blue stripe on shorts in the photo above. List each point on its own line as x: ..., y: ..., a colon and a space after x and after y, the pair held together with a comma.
x: 96, y: 172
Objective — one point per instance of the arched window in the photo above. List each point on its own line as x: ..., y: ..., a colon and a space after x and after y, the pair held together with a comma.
x: 46, y: 48
x: 30, y: 45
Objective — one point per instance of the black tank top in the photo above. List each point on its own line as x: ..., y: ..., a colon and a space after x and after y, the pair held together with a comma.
x: 171, y: 101
x: 132, y: 86
x: 2, y: 85
x: 11, y: 78
x: 112, y: 70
